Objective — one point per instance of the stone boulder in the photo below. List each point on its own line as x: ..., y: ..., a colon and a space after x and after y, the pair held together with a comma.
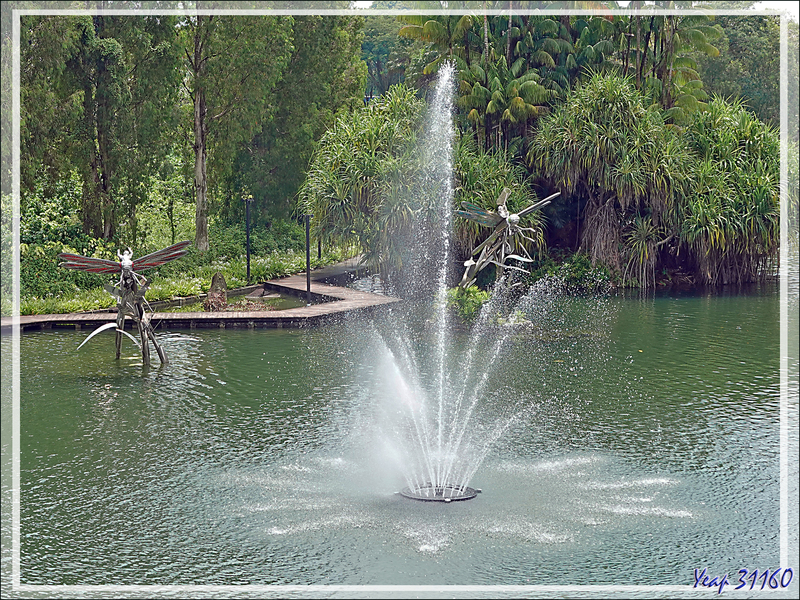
x: 217, y: 299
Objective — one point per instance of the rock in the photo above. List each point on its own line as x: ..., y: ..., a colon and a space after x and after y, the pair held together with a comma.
x: 217, y: 299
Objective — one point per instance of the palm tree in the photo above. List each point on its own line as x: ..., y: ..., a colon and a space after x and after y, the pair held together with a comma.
x: 731, y: 222
x: 452, y: 37
x: 605, y: 146
x: 502, y: 101
x: 474, y: 97
x: 666, y: 67
x: 544, y: 45
x: 353, y: 185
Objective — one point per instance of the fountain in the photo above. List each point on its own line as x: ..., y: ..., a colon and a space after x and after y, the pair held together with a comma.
x: 433, y: 418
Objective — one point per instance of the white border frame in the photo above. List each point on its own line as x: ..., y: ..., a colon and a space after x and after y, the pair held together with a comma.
x: 19, y: 590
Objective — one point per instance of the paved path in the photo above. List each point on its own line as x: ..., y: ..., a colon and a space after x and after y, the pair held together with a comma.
x: 327, y: 302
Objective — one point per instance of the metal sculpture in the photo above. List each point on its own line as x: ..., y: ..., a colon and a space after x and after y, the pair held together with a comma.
x: 499, y: 247
x: 129, y: 291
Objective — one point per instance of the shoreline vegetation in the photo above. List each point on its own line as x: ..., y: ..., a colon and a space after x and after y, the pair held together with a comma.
x: 139, y: 132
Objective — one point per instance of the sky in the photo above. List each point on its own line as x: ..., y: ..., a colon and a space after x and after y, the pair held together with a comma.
x: 792, y: 8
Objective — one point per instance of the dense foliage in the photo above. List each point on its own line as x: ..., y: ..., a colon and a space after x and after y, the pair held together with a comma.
x: 213, y: 107
x: 612, y: 153
x: 141, y: 130
x: 359, y: 187
x: 731, y: 212
x: 366, y: 183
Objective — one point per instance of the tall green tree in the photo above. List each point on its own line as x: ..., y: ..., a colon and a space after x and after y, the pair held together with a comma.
x: 360, y: 186
x: 748, y: 66
x: 502, y: 101
x: 98, y: 96
x: 385, y: 53
x: 665, y: 63
x: 606, y: 147
x: 324, y: 76
x: 731, y: 219
x: 452, y: 36
x: 233, y: 64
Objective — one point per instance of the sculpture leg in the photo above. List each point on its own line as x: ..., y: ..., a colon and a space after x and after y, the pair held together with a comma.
x: 152, y: 335
x: 161, y: 354
x: 145, y: 343
x: 120, y: 326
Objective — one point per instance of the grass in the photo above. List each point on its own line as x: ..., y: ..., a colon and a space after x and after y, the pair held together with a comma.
x: 174, y: 285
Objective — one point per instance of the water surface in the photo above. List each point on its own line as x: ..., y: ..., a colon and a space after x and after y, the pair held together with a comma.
x: 650, y: 449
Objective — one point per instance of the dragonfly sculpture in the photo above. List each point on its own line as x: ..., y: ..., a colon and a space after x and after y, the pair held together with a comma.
x: 129, y: 291
x: 501, y: 244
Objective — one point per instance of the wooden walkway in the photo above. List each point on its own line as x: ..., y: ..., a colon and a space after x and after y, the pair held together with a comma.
x: 328, y: 301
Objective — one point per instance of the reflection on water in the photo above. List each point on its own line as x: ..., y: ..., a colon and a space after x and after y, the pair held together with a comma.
x: 651, y: 449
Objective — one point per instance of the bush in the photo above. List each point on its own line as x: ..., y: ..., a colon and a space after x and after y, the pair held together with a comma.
x: 574, y: 273
x: 40, y: 275
x: 186, y: 279
x: 49, y: 226
x: 467, y: 302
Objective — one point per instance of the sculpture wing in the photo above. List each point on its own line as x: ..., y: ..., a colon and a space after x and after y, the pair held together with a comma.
x: 89, y: 264
x: 501, y: 200
x: 159, y: 257
x: 479, y: 215
x: 533, y: 207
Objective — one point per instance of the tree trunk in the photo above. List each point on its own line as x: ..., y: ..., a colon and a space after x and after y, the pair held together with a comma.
x: 508, y: 34
x: 627, y: 57
x: 666, y: 70
x: 90, y: 207
x: 485, y: 34
x: 200, y: 151
x: 643, y: 55
x: 104, y: 120
x: 636, y: 5
x: 200, y: 180
x: 104, y: 175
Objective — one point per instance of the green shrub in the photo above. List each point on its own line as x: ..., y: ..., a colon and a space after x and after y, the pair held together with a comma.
x: 574, y: 274
x: 41, y: 276
x: 467, y: 302
x: 83, y: 300
x: 184, y: 279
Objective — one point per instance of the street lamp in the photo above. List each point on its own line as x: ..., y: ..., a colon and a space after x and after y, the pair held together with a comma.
x: 308, y: 258
x: 247, y: 200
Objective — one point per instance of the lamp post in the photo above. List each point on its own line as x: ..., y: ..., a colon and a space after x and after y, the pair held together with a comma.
x: 308, y: 258
x: 247, y: 200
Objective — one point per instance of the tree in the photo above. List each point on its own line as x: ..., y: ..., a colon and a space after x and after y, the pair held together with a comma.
x: 666, y: 68
x: 748, y: 66
x: 384, y: 52
x: 731, y: 218
x: 360, y: 185
x: 324, y: 76
x: 497, y: 98
x: 234, y: 63
x: 452, y: 37
x: 98, y: 95
x: 605, y: 146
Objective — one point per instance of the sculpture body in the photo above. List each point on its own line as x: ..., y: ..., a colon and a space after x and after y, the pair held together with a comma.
x: 129, y: 291
x: 499, y: 246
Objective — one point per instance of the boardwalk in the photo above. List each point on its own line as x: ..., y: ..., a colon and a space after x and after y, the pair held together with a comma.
x: 327, y: 301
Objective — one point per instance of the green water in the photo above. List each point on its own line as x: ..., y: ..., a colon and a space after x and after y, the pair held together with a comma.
x: 650, y: 449
x: 279, y: 302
